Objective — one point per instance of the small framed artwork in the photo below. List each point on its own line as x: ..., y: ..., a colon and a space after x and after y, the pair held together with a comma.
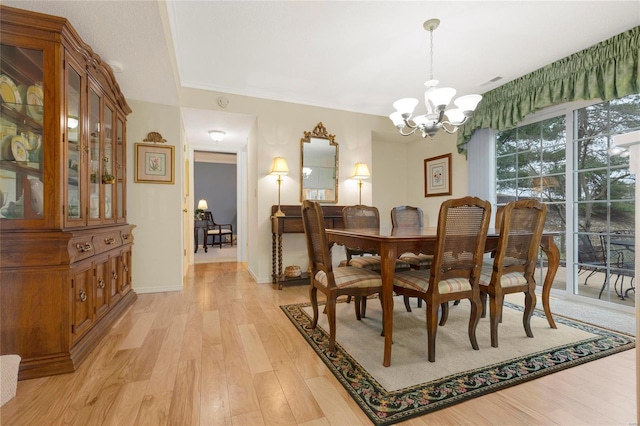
x: 437, y: 176
x: 154, y: 163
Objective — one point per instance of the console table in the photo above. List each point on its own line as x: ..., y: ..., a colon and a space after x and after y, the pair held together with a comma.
x: 291, y: 223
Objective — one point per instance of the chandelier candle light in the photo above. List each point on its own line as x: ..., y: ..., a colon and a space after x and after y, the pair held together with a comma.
x: 436, y: 101
x: 279, y: 167
x: 360, y: 171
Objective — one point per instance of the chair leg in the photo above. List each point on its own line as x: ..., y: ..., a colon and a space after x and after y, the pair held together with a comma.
x: 474, y: 319
x: 495, y: 308
x: 432, y: 329
x: 406, y: 303
x: 363, y: 309
x: 356, y: 305
x: 483, y: 302
x: 331, y: 317
x: 382, y: 306
x: 444, y: 309
x: 313, y: 296
x: 529, y: 305
x: 419, y: 303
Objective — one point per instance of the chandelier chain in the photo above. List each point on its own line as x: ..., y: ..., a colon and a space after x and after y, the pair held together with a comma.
x: 431, y: 53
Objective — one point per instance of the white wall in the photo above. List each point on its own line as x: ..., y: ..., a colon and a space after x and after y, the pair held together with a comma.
x: 398, y: 175
x: 155, y: 209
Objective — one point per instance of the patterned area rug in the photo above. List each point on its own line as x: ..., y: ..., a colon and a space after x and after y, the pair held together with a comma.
x: 413, y: 387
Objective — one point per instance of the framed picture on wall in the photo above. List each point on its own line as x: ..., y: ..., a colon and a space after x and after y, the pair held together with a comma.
x: 437, y: 176
x: 154, y: 163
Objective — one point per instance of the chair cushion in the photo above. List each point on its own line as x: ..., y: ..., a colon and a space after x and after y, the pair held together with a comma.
x: 351, y: 277
x: 372, y: 263
x: 217, y: 231
x: 507, y: 280
x: 419, y: 280
x: 417, y: 259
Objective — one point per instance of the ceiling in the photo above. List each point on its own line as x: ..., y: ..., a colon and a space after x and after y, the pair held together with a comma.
x: 348, y: 55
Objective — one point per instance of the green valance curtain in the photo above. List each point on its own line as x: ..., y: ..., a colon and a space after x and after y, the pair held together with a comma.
x: 607, y: 70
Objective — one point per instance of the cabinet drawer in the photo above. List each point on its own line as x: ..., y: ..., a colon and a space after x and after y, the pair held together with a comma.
x: 127, y: 236
x: 107, y: 241
x: 80, y: 248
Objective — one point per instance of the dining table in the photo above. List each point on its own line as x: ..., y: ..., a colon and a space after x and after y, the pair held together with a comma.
x: 389, y: 243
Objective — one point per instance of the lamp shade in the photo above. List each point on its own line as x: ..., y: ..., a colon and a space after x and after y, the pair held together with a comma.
x: 361, y: 171
x: 279, y: 166
x: 217, y: 135
x: 202, y: 204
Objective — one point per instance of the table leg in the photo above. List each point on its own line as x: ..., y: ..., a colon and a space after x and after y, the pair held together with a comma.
x: 196, y: 234
x: 388, y: 254
x: 274, y: 277
x: 550, y: 249
x: 280, y: 261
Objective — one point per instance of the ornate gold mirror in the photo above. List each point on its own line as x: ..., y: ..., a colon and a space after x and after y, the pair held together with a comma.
x: 319, y: 166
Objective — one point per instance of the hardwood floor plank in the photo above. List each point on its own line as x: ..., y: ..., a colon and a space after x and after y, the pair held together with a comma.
x: 154, y: 409
x: 165, y: 368
x: 124, y: 410
x: 253, y: 418
x: 254, y: 351
x: 185, y: 403
x: 301, y: 401
x: 215, y: 407
x: 273, y: 403
x: 336, y: 409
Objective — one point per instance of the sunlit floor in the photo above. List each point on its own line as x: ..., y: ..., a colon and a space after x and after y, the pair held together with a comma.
x: 216, y: 254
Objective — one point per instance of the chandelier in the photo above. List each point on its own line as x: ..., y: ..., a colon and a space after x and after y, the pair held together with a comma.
x: 436, y: 101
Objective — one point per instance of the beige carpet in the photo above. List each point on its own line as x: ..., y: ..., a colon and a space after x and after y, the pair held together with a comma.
x: 412, y: 386
x: 454, y: 355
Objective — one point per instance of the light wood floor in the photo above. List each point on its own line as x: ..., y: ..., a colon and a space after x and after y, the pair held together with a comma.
x: 221, y: 352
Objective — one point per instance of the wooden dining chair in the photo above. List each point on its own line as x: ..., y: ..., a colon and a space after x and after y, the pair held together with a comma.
x: 411, y: 217
x: 361, y: 216
x: 333, y: 282
x: 514, y: 263
x: 462, y: 232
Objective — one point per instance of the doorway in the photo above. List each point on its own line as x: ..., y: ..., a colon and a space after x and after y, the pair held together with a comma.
x: 215, y: 192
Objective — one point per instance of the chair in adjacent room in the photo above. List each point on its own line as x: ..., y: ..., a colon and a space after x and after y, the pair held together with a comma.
x: 333, y: 282
x: 514, y: 263
x: 461, y: 236
x: 224, y: 232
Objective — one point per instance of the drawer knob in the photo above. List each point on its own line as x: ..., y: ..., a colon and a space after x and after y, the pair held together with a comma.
x: 100, y: 283
x: 125, y: 236
x: 114, y: 275
x: 109, y: 240
x: 125, y: 267
x: 83, y: 295
x: 83, y: 247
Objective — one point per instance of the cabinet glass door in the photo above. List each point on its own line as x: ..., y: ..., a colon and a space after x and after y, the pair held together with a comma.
x: 21, y: 134
x: 108, y: 161
x: 75, y: 154
x: 95, y: 159
x: 120, y: 173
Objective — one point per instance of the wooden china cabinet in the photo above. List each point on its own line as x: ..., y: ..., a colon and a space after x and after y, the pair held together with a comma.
x: 65, y: 244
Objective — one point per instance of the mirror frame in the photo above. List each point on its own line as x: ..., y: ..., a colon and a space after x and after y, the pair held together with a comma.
x: 319, y: 132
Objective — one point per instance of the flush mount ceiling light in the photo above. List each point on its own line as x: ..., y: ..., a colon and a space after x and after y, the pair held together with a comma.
x: 436, y: 101
x: 217, y: 135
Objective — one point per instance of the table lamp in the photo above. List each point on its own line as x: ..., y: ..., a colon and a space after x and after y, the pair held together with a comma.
x: 279, y: 167
x: 360, y: 172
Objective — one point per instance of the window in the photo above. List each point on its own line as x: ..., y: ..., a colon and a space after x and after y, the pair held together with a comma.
x: 536, y: 161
